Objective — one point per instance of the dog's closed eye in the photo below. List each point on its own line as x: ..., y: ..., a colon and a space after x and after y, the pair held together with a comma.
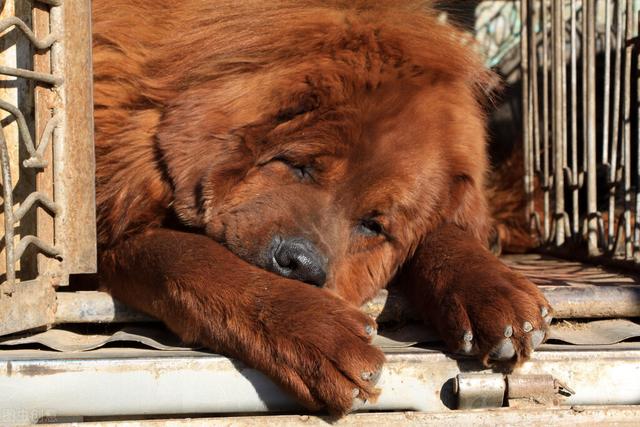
x: 370, y: 227
x: 301, y: 171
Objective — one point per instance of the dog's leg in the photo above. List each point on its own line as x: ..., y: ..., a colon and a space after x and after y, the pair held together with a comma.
x: 477, y: 304
x: 309, y: 341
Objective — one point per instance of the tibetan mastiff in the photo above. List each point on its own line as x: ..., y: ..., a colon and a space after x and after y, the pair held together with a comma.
x: 265, y: 167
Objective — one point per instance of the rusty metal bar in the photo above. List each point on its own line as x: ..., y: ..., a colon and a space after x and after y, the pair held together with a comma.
x: 47, y: 134
x: 596, y: 302
x: 35, y: 161
x: 590, y: 101
x: 31, y: 200
x: 534, y: 386
x: 147, y: 382
x: 13, y: 252
x: 526, y: 127
x: 611, y: 415
x: 44, y: 247
x: 584, y: 46
x: 98, y: 307
x: 636, y: 225
x: 626, y: 141
x: 30, y: 305
x: 546, y: 180
x: 73, y: 150
x: 575, y: 173
x: 607, y: 84
x: 31, y: 75
x: 13, y: 21
x: 603, y: 301
x: 7, y: 188
x: 614, y: 164
x: 477, y: 391
x: 534, y: 122
x: 559, y: 121
x: 60, y: 119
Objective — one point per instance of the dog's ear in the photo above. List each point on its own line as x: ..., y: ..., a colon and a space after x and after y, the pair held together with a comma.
x: 194, y: 137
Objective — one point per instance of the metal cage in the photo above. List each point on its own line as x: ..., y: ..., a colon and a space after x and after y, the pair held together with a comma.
x: 580, y: 126
x: 582, y: 188
x: 46, y: 153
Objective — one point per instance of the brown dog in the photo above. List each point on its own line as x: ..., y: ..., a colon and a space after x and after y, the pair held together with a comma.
x: 337, y: 144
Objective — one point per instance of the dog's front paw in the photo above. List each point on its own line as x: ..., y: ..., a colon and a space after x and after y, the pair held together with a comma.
x: 494, y: 313
x: 319, y: 348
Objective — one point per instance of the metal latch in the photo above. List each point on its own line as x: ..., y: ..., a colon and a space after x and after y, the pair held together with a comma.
x: 497, y: 390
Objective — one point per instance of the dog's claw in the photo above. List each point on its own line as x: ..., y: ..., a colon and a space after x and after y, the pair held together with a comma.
x: 537, y: 337
x: 527, y: 327
x: 503, y: 351
x: 357, y: 404
x: 467, y: 343
x: 370, y: 330
x: 508, y: 331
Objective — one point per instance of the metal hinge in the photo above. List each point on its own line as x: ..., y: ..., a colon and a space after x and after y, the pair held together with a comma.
x: 498, y: 390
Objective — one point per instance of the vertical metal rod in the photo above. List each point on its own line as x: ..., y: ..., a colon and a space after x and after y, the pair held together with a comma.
x: 524, y: 70
x: 615, y: 133
x: 59, y: 141
x: 565, y: 136
x: 574, y: 125
x: 563, y: 75
x: 636, y: 224
x: 533, y: 49
x: 626, y: 141
x: 7, y: 189
x: 552, y: 95
x: 585, y: 96
x: 531, y: 132
x: 607, y: 83
x: 545, y: 123
x: 534, y: 116
x: 592, y: 208
x: 557, y: 15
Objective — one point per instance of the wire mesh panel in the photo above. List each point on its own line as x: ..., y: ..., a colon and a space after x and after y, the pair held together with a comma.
x: 497, y: 30
x: 46, y: 155
x: 580, y: 116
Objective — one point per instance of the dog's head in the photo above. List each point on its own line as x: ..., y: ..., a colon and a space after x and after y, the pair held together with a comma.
x: 326, y: 150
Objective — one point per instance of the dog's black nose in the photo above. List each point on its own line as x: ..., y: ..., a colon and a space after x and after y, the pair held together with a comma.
x: 297, y: 258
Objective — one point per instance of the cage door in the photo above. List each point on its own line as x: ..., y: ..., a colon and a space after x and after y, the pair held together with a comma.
x: 46, y: 156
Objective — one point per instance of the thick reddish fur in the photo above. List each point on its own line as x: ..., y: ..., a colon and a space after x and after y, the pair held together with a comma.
x: 197, y: 101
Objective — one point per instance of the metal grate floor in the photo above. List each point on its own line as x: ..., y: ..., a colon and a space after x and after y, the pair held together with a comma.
x: 135, y: 370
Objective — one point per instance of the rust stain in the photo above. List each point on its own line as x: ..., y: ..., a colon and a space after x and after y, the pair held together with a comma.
x: 38, y: 370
